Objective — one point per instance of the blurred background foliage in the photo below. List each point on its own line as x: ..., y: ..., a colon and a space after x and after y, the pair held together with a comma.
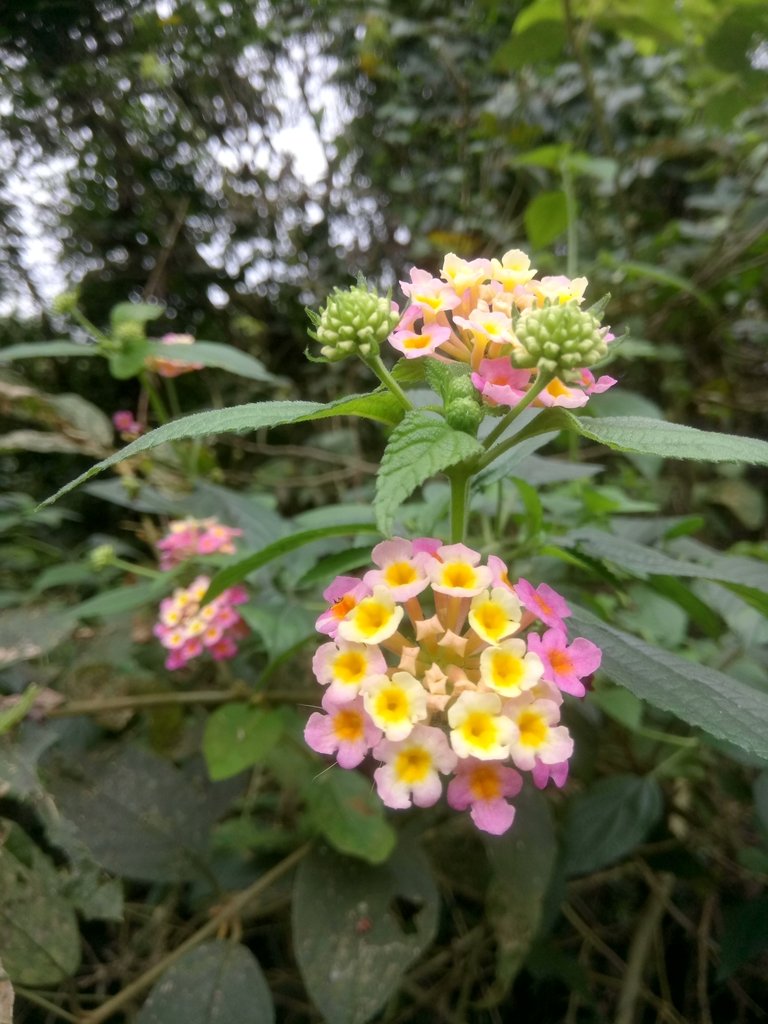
x: 235, y: 161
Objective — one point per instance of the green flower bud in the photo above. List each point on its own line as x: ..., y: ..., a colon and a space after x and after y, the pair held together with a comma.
x: 128, y: 333
x: 354, y: 321
x: 464, y: 413
x: 65, y: 303
x: 102, y: 556
x: 558, y: 338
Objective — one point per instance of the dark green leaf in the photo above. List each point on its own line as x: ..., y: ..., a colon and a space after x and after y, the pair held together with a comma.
x: 357, y: 928
x: 238, y: 736
x: 608, y: 821
x: 546, y: 218
x: 217, y: 983
x: 745, y: 934
x: 46, y: 349
x: 123, y: 599
x: 27, y: 633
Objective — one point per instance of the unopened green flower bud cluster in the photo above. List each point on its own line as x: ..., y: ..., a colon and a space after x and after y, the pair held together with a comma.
x: 558, y: 338
x: 354, y: 321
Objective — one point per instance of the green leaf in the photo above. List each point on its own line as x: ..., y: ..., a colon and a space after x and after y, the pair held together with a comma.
x: 39, y: 937
x: 539, y: 44
x: 136, y: 814
x: 609, y: 820
x: 343, y: 808
x: 239, y: 418
x: 124, y: 598
x: 521, y: 864
x: 16, y: 712
x: 633, y: 268
x: 744, y: 935
x: 654, y: 437
x: 418, y: 448
x: 217, y: 983
x: 129, y: 360
x: 643, y: 560
x: 237, y: 736
x: 357, y: 929
x: 27, y: 633
x: 340, y: 563
x: 545, y: 218
x: 135, y: 312
x: 214, y: 354
x: 237, y: 571
x: 703, y: 697
x: 46, y: 349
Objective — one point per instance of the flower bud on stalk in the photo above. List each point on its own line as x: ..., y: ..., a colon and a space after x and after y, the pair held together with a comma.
x: 354, y: 321
x: 559, y: 338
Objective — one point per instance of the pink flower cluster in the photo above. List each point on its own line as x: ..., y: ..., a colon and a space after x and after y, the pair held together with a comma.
x: 435, y: 665
x: 172, y: 367
x: 186, y: 630
x: 190, y: 537
x: 469, y: 314
x: 126, y: 424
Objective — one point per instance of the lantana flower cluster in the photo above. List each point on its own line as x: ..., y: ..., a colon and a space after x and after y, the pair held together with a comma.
x: 185, y: 628
x: 509, y: 326
x: 438, y: 666
x: 187, y: 538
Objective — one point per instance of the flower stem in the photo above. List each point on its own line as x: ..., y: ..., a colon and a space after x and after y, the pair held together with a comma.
x: 531, y: 394
x: 136, y: 570
x: 459, y: 478
x: 375, y: 363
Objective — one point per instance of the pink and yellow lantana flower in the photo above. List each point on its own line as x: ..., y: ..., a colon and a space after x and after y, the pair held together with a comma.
x: 439, y: 660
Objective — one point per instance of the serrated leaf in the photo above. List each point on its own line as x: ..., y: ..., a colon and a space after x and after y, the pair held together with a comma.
x: 46, y: 349
x: 609, y: 820
x: 217, y: 983
x: 350, y: 816
x: 239, y: 418
x: 418, y: 448
x: 703, y: 697
x: 238, y: 736
x: 238, y: 571
x: 521, y: 864
x: 216, y: 355
x: 357, y: 928
x: 653, y: 437
x: 39, y: 936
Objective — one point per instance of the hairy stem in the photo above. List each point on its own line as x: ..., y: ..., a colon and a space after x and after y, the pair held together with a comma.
x: 375, y: 363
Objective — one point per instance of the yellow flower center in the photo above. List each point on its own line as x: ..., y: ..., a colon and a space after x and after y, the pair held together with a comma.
x: 556, y: 388
x: 484, y: 783
x: 413, y: 765
x: 491, y: 619
x: 459, y: 575
x: 350, y: 667
x: 479, y: 730
x: 533, y: 729
x: 506, y: 669
x: 348, y: 726
x: 399, y: 573
x: 370, y: 616
x: 560, y: 662
x: 391, y: 705
x: 419, y: 341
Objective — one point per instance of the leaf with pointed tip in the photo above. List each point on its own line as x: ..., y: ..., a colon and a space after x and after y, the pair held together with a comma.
x: 215, y: 355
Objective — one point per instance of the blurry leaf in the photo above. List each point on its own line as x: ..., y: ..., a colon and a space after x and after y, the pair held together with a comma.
x: 348, y: 813
x: 545, y: 218
x: 14, y: 709
x: 124, y: 598
x: 237, y: 571
x: 95, y: 897
x: 621, y: 705
x: 136, y: 813
x: 46, y: 349
x: 701, y: 696
x: 214, y: 354
x: 742, y: 499
x: 760, y: 791
x: 281, y: 626
x: 238, y: 736
x: 745, y: 934
x: 39, y: 936
x: 418, y: 448
x: 135, y: 312
x: 45, y: 442
x: 239, y: 418
x: 6, y: 997
x: 129, y: 360
x: 216, y: 983
x: 609, y: 820
x: 661, y: 275
x: 521, y: 863
x: 541, y: 44
x: 340, y: 563
x: 729, y: 46
x: 27, y: 633
x: 357, y: 929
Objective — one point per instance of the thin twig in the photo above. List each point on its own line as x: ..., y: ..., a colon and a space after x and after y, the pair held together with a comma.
x: 211, y: 927
x: 46, y: 1004
x: 702, y: 948
x: 640, y: 949
x: 131, y: 702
